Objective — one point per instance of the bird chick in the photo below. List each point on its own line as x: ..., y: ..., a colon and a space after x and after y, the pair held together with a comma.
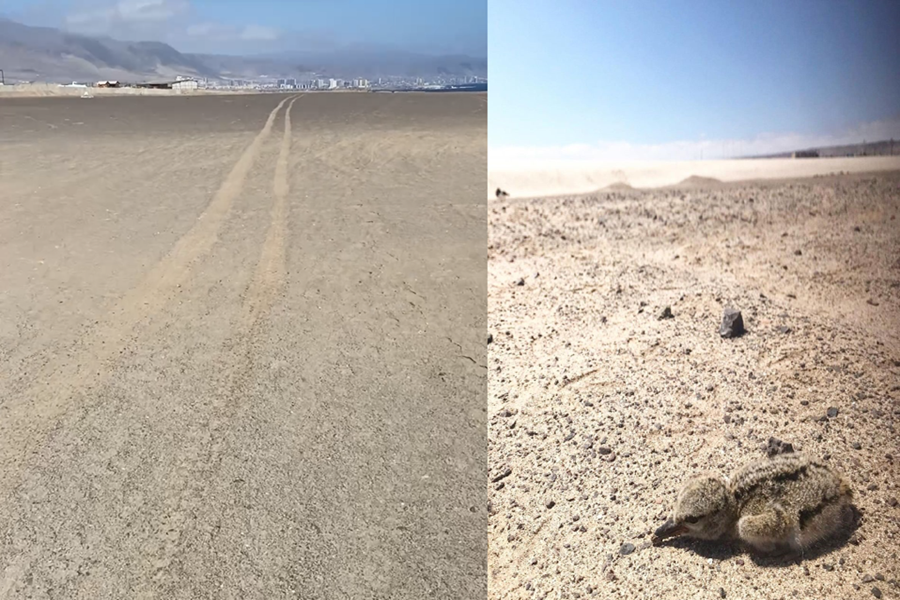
x: 787, y: 503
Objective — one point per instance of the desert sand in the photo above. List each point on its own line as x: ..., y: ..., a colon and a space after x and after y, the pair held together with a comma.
x: 599, y: 409
x: 529, y: 179
x: 242, y: 347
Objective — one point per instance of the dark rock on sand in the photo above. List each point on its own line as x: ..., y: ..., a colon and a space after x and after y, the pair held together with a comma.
x: 776, y: 446
x: 732, y: 324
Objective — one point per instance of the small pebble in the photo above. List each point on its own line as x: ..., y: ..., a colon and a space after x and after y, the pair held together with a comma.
x: 721, y: 592
x: 626, y: 549
x: 502, y: 475
x: 832, y: 412
x: 856, y: 446
x: 876, y: 592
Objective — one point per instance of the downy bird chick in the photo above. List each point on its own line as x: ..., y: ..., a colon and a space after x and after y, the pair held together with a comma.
x: 787, y: 503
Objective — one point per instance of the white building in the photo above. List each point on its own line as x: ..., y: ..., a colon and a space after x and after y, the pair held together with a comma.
x: 185, y: 85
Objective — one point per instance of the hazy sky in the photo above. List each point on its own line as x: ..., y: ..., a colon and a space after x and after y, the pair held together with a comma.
x: 672, y: 79
x: 247, y: 26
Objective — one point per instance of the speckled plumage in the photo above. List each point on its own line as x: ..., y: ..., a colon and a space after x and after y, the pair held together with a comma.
x: 785, y: 503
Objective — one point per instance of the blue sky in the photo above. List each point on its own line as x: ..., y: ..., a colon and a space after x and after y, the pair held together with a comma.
x: 668, y: 79
x: 241, y: 26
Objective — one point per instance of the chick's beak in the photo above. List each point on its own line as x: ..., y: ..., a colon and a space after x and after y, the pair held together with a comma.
x: 667, y: 530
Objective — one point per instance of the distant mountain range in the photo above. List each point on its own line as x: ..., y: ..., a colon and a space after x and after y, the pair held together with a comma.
x: 879, y: 148
x: 45, y: 54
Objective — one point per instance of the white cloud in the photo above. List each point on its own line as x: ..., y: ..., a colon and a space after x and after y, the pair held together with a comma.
x: 207, y: 30
x: 219, y: 32
x: 259, y: 33
x: 170, y: 21
x: 127, y: 12
x: 767, y: 143
x: 151, y: 10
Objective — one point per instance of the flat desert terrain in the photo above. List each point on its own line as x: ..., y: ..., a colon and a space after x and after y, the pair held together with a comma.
x: 601, y: 404
x: 242, y: 347
x: 532, y: 179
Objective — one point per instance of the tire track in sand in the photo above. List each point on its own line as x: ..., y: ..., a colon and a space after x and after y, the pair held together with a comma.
x: 203, y: 465
x: 48, y: 397
x: 270, y: 271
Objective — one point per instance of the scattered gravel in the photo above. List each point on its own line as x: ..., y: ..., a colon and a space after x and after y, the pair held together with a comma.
x: 584, y: 360
x: 775, y: 446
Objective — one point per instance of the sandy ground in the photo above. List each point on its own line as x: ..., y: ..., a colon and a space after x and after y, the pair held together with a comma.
x: 242, y: 347
x: 599, y: 409
x: 524, y: 179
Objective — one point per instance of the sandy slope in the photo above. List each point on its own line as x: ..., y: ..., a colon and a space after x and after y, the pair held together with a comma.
x: 524, y: 179
x: 599, y: 410
x: 227, y: 367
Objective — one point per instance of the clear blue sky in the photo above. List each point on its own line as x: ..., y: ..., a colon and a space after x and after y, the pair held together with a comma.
x: 437, y: 25
x: 588, y: 72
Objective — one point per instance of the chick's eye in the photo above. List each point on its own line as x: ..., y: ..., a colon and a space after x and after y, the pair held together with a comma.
x: 691, y: 520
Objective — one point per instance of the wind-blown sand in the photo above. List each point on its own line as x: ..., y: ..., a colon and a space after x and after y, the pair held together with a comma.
x: 523, y: 179
x: 599, y: 409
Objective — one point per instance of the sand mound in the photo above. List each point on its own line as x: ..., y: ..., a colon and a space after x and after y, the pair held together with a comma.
x: 618, y: 186
x: 696, y: 181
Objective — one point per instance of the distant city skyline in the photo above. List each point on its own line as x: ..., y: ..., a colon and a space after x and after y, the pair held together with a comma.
x: 265, y: 26
x: 684, y: 80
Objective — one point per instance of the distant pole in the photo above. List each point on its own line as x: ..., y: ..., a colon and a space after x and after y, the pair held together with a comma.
x: 2, y: 78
